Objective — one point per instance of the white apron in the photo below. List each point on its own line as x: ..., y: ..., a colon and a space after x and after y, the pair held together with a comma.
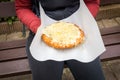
x: 87, y: 52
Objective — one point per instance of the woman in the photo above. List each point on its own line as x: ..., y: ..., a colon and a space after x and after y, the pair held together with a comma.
x: 57, y: 9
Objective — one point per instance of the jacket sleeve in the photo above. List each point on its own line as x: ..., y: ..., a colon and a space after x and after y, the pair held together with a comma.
x: 26, y: 15
x: 93, y: 6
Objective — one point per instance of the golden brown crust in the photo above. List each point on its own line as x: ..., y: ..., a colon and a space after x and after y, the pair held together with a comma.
x: 57, y: 45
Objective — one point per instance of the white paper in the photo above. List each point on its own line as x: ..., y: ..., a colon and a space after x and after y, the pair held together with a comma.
x: 87, y: 52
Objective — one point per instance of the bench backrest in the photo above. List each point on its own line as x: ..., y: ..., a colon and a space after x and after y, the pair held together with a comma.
x: 7, y: 9
x: 108, y: 2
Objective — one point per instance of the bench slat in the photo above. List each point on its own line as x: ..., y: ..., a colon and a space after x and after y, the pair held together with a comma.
x: 108, y: 31
x: 111, y: 39
x: 12, y: 54
x: 111, y: 52
x: 19, y: 66
x: 108, y: 2
x: 7, y: 11
x: 12, y: 44
x: 14, y: 67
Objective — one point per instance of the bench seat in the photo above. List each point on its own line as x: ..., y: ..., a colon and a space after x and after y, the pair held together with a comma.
x: 13, y: 58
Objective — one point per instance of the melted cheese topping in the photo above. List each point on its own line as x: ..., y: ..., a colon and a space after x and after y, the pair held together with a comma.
x: 62, y: 32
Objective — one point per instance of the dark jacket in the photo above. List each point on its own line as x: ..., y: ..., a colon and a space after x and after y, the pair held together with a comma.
x: 56, y: 9
x: 25, y: 9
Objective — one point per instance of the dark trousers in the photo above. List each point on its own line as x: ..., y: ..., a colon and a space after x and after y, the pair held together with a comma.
x: 52, y: 70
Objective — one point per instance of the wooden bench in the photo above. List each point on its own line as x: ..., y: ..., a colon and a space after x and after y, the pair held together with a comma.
x: 13, y: 59
x: 7, y: 9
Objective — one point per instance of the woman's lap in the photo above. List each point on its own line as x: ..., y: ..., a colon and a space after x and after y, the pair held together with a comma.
x: 52, y: 70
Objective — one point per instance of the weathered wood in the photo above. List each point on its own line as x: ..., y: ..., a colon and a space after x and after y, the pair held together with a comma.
x: 108, y: 2
x: 16, y: 26
x: 7, y: 9
x: 12, y: 44
x: 109, y: 31
x: 111, y: 39
x: 14, y: 67
x: 12, y: 54
x: 111, y: 52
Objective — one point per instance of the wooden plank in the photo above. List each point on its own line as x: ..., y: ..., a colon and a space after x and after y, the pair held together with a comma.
x: 111, y: 39
x: 111, y: 52
x: 14, y: 67
x: 12, y: 44
x: 12, y: 54
x: 106, y: 12
x: 7, y: 11
x: 112, y: 30
x: 108, y: 2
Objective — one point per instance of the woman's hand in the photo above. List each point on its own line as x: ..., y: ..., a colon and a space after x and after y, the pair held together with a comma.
x: 26, y: 15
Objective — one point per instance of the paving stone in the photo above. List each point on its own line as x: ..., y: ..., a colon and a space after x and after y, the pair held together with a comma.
x: 67, y: 75
x: 118, y: 20
x: 22, y: 77
x: 108, y: 73
x: 100, y: 24
x: 3, y: 37
x: 115, y: 67
x: 14, y: 36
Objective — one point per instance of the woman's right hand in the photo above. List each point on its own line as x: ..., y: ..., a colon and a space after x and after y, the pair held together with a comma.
x: 26, y: 15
